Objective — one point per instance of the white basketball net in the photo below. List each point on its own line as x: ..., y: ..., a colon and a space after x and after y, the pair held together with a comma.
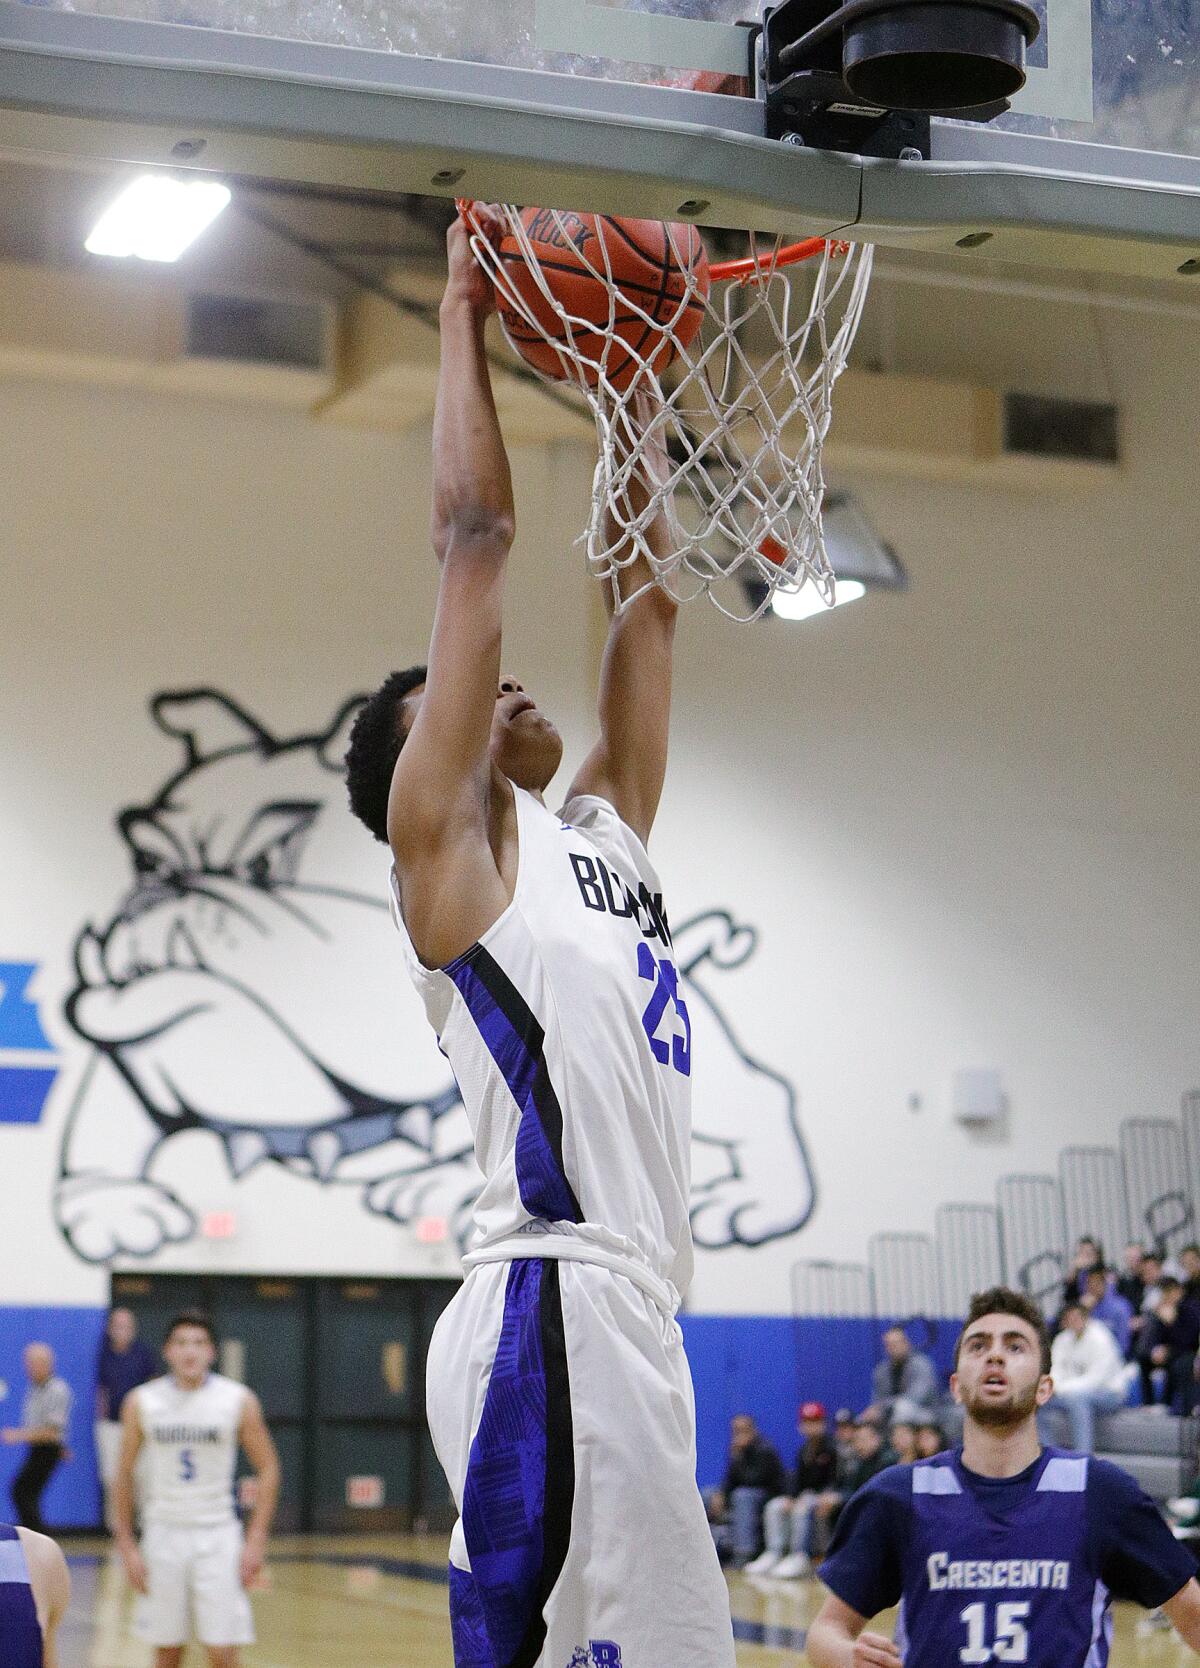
x: 731, y: 454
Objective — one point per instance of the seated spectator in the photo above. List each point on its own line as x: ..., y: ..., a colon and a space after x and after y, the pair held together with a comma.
x: 930, y: 1440
x: 753, y: 1475
x: 1088, y: 1255
x: 1089, y: 1374
x: 1152, y: 1275
x: 786, y: 1518
x: 904, y: 1384
x: 870, y: 1457
x: 1103, y: 1302
x: 902, y: 1440
x: 1189, y: 1259
x: 1168, y: 1344
x: 843, y: 1435
x: 1130, y: 1284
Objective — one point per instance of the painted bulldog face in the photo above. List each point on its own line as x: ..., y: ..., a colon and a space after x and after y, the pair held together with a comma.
x: 250, y: 976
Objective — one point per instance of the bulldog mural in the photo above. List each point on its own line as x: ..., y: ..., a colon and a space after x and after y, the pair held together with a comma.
x: 248, y: 985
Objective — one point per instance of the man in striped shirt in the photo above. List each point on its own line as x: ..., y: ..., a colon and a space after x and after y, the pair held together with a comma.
x: 44, y: 1418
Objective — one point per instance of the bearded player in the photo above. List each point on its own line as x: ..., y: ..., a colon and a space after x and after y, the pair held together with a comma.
x: 558, y: 1393
x: 1002, y: 1551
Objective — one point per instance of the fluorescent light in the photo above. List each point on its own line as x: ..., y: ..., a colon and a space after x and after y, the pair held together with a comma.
x: 802, y: 604
x: 156, y: 217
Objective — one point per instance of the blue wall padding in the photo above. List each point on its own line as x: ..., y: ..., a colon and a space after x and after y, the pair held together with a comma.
x: 767, y: 1365
x: 760, y: 1364
x: 72, y: 1501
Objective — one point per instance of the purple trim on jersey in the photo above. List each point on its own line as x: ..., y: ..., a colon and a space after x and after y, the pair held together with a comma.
x: 516, y: 1042
x: 468, y: 1625
x: 1102, y: 1628
x: 20, y: 1632
x: 520, y: 1484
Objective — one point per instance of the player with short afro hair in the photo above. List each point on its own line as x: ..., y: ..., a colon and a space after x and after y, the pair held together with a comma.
x: 376, y: 737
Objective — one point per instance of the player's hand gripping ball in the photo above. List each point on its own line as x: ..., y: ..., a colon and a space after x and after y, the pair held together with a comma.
x: 622, y: 294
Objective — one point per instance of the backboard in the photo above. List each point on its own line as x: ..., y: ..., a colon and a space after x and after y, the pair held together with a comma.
x: 626, y: 108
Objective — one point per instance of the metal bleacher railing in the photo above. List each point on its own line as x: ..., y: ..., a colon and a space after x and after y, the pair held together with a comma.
x: 1147, y: 1188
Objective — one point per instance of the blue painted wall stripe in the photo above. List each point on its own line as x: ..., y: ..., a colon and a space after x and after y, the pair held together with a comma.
x: 760, y: 1364
x: 23, y: 1092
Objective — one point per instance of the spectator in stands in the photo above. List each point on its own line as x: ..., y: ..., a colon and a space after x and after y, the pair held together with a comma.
x: 870, y: 1457
x: 1130, y: 1284
x: 1152, y: 1274
x: 902, y: 1440
x: 124, y: 1362
x: 1089, y: 1374
x: 1189, y: 1258
x: 786, y: 1517
x: 905, y: 1383
x: 753, y: 1475
x: 1088, y: 1255
x: 1103, y: 1302
x: 1169, y: 1344
x: 843, y: 1435
x: 45, y: 1415
x: 930, y: 1440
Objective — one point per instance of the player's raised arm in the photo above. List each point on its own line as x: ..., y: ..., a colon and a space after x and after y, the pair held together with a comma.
x: 837, y: 1640
x: 444, y: 759
x: 437, y: 810
x: 628, y: 764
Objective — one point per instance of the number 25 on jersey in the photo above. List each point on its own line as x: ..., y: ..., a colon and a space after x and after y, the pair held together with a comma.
x: 678, y: 1051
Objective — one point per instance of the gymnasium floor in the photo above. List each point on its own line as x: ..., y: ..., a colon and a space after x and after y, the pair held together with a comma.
x: 381, y: 1603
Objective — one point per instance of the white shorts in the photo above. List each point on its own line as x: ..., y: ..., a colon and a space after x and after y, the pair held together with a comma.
x: 195, y: 1583
x: 561, y: 1408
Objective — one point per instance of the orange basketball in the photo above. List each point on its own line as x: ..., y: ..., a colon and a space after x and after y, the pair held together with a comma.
x: 653, y: 266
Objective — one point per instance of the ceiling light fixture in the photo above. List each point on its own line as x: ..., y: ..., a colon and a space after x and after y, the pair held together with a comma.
x: 156, y: 217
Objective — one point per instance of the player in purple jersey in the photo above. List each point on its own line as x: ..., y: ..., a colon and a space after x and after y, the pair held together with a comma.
x: 35, y: 1589
x: 1002, y: 1551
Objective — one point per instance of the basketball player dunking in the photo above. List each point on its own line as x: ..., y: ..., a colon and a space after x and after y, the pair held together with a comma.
x: 35, y: 1588
x: 1003, y: 1551
x: 558, y: 1393
x: 193, y: 1564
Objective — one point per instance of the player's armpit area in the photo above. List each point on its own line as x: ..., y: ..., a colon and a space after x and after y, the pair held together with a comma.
x: 1183, y: 1613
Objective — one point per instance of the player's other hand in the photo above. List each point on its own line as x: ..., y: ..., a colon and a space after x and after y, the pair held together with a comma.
x: 135, y: 1568
x: 465, y: 279
x: 873, y: 1650
x: 10, y: 1435
x: 254, y: 1555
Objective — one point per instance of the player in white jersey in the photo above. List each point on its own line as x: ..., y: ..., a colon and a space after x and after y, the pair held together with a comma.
x: 193, y: 1566
x: 558, y: 1394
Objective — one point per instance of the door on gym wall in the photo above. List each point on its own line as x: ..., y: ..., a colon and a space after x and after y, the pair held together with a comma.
x: 339, y: 1366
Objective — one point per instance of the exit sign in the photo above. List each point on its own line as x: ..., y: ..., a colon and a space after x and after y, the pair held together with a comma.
x: 364, y: 1491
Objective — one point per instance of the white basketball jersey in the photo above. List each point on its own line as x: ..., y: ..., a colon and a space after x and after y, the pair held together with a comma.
x: 191, y: 1439
x: 569, y: 1036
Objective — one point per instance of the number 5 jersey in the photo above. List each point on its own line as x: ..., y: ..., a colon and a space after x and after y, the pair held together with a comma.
x: 191, y: 1438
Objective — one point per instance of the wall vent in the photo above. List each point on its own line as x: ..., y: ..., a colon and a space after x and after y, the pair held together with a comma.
x: 257, y: 330
x: 1035, y: 426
